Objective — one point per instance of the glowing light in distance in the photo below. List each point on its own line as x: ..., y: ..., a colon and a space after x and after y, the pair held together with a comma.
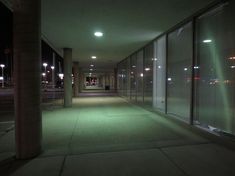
x: 141, y: 75
x: 61, y: 75
x: 44, y: 64
x: 147, y: 69
x: 185, y: 69
x: 43, y: 74
x: 52, y: 67
x: 92, y: 65
x: 93, y: 57
x: 231, y: 58
x: 2, y: 65
x: 169, y: 79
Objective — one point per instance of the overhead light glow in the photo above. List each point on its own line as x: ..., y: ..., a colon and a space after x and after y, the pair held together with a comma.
x: 185, y: 69
x: 141, y: 75
x: 231, y: 58
x: 169, y: 79
x: 45, y: 64
x: 1, y: 78
x: 233, y: 66
x: 93, y: 57
x: 92, y: 65
x: 147, y: 69
x: 98, y: 34
x: 2, y: 65
x: 133, y: 66
x: 91, y: 69
x: 207, y: 41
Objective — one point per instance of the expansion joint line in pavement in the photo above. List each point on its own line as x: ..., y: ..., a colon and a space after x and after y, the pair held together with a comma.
x: 174, y: 163
x: 62, y: 165
x: 74, y: 128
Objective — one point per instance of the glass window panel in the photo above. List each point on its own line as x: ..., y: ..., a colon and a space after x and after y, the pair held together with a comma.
x: 179, y: 72
x: 215, y: 69
x: 133, y: 77
x: 128, y: 62
x: 148, y: 75
x: 124, y: 78
x: 140, y: 75
x: 159, y: 74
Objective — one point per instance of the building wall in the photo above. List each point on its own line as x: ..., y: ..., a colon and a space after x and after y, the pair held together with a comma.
x: 192, y: 69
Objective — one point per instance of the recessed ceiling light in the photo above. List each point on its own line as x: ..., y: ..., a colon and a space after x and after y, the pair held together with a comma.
x: 207, y: 41
x: 92, y: 65
x: 93, y: 57
x: 98, y: 34
x: 91, y: 69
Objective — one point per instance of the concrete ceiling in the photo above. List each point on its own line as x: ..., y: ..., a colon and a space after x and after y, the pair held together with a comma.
x: 127, y: 25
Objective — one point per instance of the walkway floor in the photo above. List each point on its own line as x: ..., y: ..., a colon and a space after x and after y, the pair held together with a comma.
x: 106, y: 136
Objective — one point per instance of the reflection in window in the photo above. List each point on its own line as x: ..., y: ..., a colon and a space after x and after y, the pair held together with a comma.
x: 159, y: 74
x: 179, y: 72
x: 214, y: 73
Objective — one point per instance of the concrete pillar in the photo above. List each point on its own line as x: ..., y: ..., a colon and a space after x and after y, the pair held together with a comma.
x: 76, y: 79
x: 67, y: 77
x: 81, y: 81
x: 27, y: 76
x: 115, y: 79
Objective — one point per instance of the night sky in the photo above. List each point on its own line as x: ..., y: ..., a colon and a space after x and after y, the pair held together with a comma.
x: 6, y: 43
x: 6, y: 38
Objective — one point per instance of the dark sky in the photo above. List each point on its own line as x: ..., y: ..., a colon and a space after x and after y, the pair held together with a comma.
x: 5, y: 30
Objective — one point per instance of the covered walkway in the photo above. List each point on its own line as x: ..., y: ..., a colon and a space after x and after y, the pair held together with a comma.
x: 106, y: 136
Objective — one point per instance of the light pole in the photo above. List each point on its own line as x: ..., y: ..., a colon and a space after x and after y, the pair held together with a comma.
x: 53, y: 76
x: 2, y: 66
x: 45, y: 65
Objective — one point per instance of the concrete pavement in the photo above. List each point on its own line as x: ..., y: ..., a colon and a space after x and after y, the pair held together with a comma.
x: 107, y: 136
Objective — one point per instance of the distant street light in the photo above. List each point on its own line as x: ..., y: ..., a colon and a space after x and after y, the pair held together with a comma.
x: 2, y: 66
x: 53, y: 76
x: 45, y: 65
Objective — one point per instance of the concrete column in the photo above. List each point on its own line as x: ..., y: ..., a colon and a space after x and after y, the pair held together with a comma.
x: 76, y: 79
x: 115, y: 79
x: 27, y: 76
x: 81, y: 81
x: 67, y: 77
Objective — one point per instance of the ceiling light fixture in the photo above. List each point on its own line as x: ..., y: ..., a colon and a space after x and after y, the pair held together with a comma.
x: 93, y: 57
x: 98, y: 34
x: 207, y: 41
